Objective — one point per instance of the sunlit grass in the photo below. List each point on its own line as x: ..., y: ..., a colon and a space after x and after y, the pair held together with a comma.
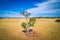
x: 10, y: 29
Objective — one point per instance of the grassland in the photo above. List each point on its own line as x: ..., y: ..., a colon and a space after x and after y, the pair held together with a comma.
x: 46, y: 29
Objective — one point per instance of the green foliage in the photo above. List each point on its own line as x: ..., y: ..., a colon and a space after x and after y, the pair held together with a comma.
x: 32, y: 21
x: 23, y: 24
x: 25, y: 13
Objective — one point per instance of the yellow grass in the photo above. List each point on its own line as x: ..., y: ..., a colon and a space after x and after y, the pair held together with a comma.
x: 46, y: 29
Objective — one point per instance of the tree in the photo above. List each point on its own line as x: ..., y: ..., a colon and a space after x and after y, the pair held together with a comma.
x: 26, y: 15
x: 26, y: 25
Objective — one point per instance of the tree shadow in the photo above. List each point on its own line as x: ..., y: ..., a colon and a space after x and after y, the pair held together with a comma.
x: 33, y: 35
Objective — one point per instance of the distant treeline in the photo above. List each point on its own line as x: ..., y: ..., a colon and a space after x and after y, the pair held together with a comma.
x: 48, y: 17
x: 29, y: 17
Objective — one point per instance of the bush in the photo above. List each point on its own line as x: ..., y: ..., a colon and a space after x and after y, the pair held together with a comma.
x: 57, y: 20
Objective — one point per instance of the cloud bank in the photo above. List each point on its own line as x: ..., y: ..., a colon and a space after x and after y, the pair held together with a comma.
x: 47, y: 8
x: 50, y: 8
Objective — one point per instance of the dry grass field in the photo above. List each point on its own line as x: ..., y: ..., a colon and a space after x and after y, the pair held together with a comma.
x: 45, y: 29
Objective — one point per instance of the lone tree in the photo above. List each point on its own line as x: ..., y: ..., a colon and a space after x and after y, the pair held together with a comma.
x: 26, y: 25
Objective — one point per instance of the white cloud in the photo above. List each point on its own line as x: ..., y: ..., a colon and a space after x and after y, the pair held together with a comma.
x: 10, y: 14
x: 51, y: 6
x: 54, y: 0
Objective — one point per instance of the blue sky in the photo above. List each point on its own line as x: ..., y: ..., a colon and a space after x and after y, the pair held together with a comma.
x: 37, y: 8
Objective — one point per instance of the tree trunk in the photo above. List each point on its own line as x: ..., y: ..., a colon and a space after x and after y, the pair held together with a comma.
x: 27, y: 26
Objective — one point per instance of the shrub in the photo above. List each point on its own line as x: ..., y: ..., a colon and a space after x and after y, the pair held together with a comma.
x: 57, y: 20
